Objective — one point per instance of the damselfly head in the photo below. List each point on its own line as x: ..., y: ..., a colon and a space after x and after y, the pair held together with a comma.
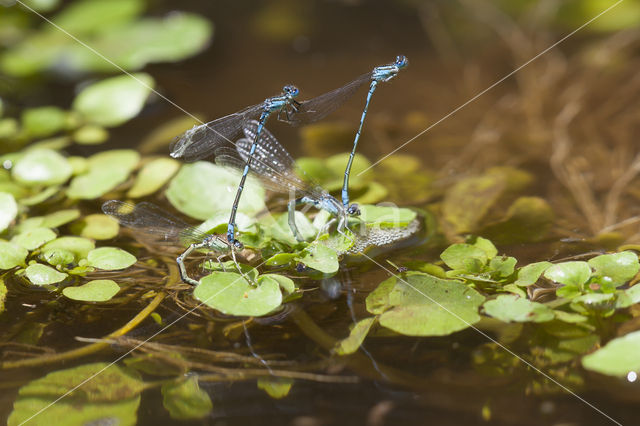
x: 290, y: 90
x: 353, y: 210
x: 401, y: 61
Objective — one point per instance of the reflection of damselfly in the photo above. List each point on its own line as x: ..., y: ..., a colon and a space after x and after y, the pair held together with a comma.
x: 277, y: 170
x: 159, y: 227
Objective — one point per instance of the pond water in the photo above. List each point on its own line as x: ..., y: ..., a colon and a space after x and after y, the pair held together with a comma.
x: 543, y: 164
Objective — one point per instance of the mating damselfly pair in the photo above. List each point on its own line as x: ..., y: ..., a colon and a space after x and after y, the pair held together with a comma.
x: 259, y: 152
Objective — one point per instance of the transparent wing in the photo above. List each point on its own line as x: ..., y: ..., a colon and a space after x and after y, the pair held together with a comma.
x: 153, y: 223
x: 201, y: 141
x: 323, y: 105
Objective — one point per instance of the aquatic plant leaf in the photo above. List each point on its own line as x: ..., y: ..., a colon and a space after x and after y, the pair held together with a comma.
x: 110, y: 258
x: 78, y: 246
x: 97, y: 226
x: 8, y: 210
x: 3, y: 295
x: 378, y: 300
x: 93, y: 291
x: 357, y: 335
x: 616, y: 358
x: 502, y: 266
x: 527, y: 219
x: 338, y: 162
x: 369, y: 193
x: 40, y: 274
x: 153, y: 176
x: 423, y: 305
x: 43, y: 121
x: 285, y: 283
x: 41, y: 167
x: 325, y: 137
x: 202, y: 189
x: 12, y: 255
x: 315, y: 169
x: 90, y: 16
x: 615, y: 269
x: 281, y: 231
x: 90, y: 134
x: 8, y: 127
x: 115, y: 100
x: 513, y: 308
x: 280, y: 259
x: 106, y: 170
x: 58, y: 257
x: 529, y: 274
x: 464, y: 257
x: 575, y: 12
x: 185, y: 400
x: 275, y: 387
x: 386, y: 216
x: 163, y: 364
x: 319, y: 257
x: 341, y: 242
x: 59, y: 218
x: 41, y: 196
x: 575, y: 273
x: 569, y: 317
x: 231, y: 294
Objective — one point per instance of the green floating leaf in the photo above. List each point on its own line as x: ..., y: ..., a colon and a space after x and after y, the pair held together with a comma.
x: 231, y: 294
x: 107, y: 170
x: 386, y: 216
x: 276, y: 387
x: 41, y: 196
x: 281, y: 231
x: 90, y: 134
x: 102, y: 393
x: 203, y: 189
x: 281, y: 259
x: 153, y: 176
x: 115, y: 100
x: 615, y: 269
x: 573, y: 274
x: 464, y: 257
x: 12, y: 255
x: 513, y: 308
x: 43, y: 121
x: 8, y: 210
x: 529, y: 274
x: 90, y: 16
x: 44, y: 275
x: 358, y: 333
x: 320, y: 138
x: 3, y: 295
x: 185, y: 400
x: 59, y: 218
x: 97, y: 226
x: 422, y: 305
x: 502, y: 266
x: 93, y: 291
x: 41, y: 167
x: 619, y: 357
x: 285, y: 283
x: 110, y: 258
x: 320, y: 257
x: 79, y: 248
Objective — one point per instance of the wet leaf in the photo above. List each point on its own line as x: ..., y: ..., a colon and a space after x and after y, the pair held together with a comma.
x: 41, y: 167
x: 231, y: 294
x: 203, y: 189
x: 153, y: 176
x: 502, y: 266
x: 464, y: 257
x: 115, y: 100
x: 8, y: 210
x: 107, y: 170
x: 78, y: 246
x: 93, y: 291
x: 422, y: 305
x: 529, y: 274
x: 615, y: 269
x: 616, y: 358
x: 111, y: 396
x: 386, y: 216
x: 281, y: 259
x: 11, y: 255
x: 185, y: 400
x: 285, y: 283
x: 357, y: 335
x: 97, y: 226
x: 319, y: 257
x: 573, y: 274
x: 276, y: 387
x: 40, y: 274
x: 110, y: 258
x: 513, y: 308
x: 34, y: 238
x: 43, y: 121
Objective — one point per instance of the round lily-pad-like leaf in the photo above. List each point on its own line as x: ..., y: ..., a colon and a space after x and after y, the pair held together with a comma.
x: 90, y: 134
x: 423, y: 305
x: 59, y: 218
x: 12, y: 255
x: 40, y: 274
x: 8, y: 210
x: 153, y: 176
x: 80, y: 247
x: 617, y: 268
x: 616, y: 358
x: 185, y: 400
x: 356, y: 337
x: 97, y: 226
x: 513, y: 308
x: 320, y: 257
x: 93, y: 291
x: 34, y: 238
x: 202, y: 189
x: 41, y: 167
x: 43, y: 121
x: 115, y: 100
x: 386, y: 216
x: 110, y: 258
x: 112, y: 396
x: 106, y: 170
x: 573, y: 274
x: 231, y: 294
x: 464, y: 257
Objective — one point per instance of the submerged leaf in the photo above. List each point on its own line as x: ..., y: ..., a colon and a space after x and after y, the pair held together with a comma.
x: 185, y: 400
x: 527, y: 219
x: 513, y: 308
x: 276, y: 387
x: 357, y: 335
x: 616, y: 358
x: 93, y: 291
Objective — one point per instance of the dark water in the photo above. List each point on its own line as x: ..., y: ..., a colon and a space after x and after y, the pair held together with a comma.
x: 325, y: 44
